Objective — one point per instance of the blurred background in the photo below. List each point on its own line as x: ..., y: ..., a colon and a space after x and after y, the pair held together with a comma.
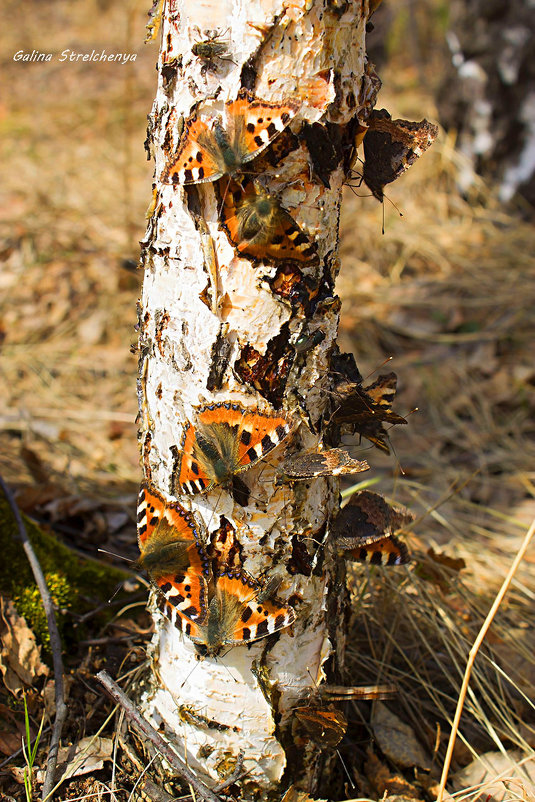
x: 447, y: 292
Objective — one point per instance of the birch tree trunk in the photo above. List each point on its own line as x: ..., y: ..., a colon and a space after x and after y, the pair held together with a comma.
x: 487, y: 93
x: 216, y: 326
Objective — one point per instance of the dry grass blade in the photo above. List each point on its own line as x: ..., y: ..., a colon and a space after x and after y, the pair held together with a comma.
x: 473, y: 652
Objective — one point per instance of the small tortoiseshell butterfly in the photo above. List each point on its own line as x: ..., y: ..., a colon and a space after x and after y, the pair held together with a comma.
x: 365, y: 408
x: 233, y: 616
x: 391, y: 146
x: 212, y: 147
x: 224, y: 440
x: 260, y: 227
x: 332, y: 462
x: 326, y: 726
x: 363, y: 530
x: 172, y: 551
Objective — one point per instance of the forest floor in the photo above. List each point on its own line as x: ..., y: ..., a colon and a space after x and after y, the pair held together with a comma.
x: 448, y: 292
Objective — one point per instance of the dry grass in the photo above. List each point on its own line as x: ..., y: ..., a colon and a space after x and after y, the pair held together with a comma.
x: 449, y: 292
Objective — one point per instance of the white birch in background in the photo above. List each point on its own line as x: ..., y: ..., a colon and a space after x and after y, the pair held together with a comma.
x: 200, y: 296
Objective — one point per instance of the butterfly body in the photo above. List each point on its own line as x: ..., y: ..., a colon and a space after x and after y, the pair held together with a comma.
x: 232, y: 155
x: 225, y: 440
x: 259, y: 226
x: 216, y: 447
x: 233, y: 616
x: 260, y: 214
x: 211, y: 148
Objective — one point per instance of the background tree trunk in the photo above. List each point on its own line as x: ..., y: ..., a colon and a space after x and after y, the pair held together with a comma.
x: 488, y: 94
x: 215, y: 327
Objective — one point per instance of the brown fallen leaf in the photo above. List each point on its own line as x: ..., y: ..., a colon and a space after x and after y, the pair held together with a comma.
x: 20, y: 657
x: 397, y: 739
x: 384, y: 782
x: 85, y: 757
x: 499, y: 776
x: 11, y: 731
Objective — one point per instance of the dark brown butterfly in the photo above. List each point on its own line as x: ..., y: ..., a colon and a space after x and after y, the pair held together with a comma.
x: 364, y: 530
x: 326, y: 726
x: 366, y: 408
x: 391, y: 146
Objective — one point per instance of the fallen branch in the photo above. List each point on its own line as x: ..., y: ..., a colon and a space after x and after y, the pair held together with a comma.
x: 55, y: 643
x: 147, y: 730
x: 472, y: 656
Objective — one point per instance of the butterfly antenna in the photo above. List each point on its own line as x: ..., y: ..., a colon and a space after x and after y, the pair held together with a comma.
x: 216, y: 505
x: 312, y: 678
x: 394, y: 205
x: 119, y: 556
x: 400, y: 466
x: 223, y: 198
x: 378, y: 367
x: 189, y: 675
x: 348, y: 775
x: 115, y: 592
x: 227, y: 669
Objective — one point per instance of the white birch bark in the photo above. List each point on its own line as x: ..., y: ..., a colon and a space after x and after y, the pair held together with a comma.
x: 194, y: 285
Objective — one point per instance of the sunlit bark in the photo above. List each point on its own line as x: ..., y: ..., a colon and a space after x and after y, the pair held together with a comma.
x: 206, y: 315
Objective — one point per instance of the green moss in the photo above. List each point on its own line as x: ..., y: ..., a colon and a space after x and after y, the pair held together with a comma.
x: 75, y: 584
x: 30, y: 605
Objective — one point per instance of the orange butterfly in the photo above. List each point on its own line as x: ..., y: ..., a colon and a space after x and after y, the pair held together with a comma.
x: 260, y: 227
x: 212, y: 147
x: 225, y: 439
x: 172, y: 551
x: 233, y: 615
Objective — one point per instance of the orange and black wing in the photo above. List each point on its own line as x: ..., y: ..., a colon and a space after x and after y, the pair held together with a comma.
x: 253, y: 123
x: 388, y: 550
x: 245, y: 617
x: 260, y: 228
x: 198, y: 158
x: 257, y: 433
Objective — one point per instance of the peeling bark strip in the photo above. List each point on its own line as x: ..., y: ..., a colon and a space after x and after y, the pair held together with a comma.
x: 252, y: 132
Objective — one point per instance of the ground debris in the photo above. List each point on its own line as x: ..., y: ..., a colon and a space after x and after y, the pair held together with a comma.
x: 85, y: 757
x: 396, y: 739
x: 20, y: 657
x: 500, y: 777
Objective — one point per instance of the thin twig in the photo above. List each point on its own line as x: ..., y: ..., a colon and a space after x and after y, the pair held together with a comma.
x: 55, y: 643
x: 472, y: 656
x: 142, y: 725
